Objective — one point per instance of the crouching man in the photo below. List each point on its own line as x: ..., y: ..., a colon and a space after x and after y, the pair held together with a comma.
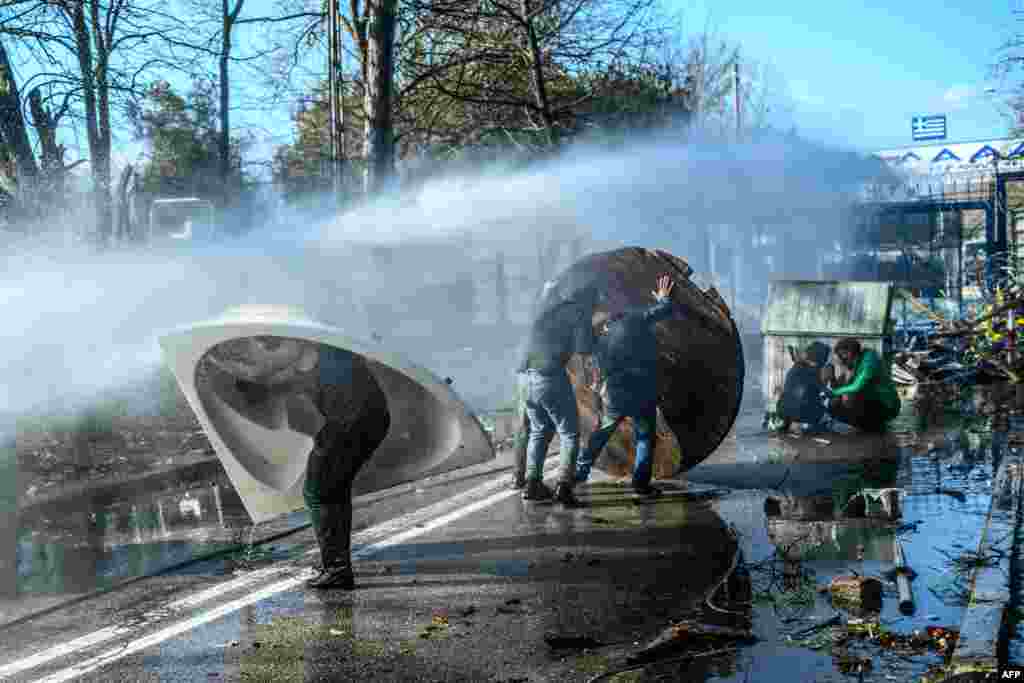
x: 870, y: 400
x: 331, y: 395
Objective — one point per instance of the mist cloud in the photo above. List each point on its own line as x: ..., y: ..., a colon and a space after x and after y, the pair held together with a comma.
x: 76, y: 323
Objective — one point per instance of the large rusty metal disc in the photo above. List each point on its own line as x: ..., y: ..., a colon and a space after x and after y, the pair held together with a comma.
x: 700, y: 362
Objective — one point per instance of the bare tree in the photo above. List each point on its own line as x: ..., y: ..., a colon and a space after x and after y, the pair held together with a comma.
x: 1007, y: 72
x: 217, y: 40
x: 35, y: 182
x: 515, y: 63
x: 229, y: 15
x: 13, y: 131
x: 380, y: 65
x: 95, y: 52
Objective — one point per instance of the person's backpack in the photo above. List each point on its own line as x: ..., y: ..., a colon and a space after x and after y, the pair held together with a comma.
x: 801, y: 395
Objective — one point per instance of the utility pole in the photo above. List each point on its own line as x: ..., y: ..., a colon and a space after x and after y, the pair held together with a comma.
x: 336, y: 126
x: 736, y: 88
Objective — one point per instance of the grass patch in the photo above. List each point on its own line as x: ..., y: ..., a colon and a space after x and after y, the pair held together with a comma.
x: 283, y: 644
x: 281, y: 654
x: 591, y: 664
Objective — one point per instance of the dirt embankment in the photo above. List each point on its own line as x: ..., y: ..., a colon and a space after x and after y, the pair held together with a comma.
x: 124, y: 433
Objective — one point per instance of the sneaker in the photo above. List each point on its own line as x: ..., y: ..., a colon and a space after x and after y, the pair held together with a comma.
x: 647, y: 490
x: 519, y: 481
x: 536, y: 490
x: 336, y: 577
x: 564, y: 495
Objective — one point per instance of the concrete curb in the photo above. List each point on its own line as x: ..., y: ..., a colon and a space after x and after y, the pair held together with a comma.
x: 981, y: 631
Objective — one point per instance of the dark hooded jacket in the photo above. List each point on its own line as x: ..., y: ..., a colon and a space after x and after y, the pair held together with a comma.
x: 628, y: 357
x: 561, y: 328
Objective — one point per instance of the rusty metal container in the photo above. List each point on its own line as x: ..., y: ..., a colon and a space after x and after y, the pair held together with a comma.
x: 700, y: 363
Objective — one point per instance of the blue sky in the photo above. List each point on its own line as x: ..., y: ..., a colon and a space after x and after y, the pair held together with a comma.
x: 857, y: 72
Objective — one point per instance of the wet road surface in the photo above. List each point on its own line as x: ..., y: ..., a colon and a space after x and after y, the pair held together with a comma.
x: 478, y: 585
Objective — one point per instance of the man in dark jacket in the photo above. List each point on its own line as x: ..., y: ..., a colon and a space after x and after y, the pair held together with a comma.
x: 801, y: 392
x: 561, y: 328
x: 627, y: 355
x: 331, y: 395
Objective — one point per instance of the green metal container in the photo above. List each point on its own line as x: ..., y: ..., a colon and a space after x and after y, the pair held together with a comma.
x: 801, y: 312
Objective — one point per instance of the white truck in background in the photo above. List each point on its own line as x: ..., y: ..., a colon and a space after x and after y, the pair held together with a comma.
x: 182, y: 219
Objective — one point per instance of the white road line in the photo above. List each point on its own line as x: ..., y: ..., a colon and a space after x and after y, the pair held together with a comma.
x: 390, y: 533
x: 111, y: 632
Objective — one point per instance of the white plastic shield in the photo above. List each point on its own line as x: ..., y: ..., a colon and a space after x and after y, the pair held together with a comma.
x: 431, y: 429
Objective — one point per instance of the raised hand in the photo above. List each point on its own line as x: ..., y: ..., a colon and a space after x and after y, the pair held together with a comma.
x: 665, y: 285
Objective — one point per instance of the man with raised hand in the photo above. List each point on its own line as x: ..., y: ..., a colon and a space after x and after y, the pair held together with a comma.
x: 627, y: 355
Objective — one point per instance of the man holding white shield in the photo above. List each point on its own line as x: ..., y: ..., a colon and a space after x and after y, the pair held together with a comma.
x: 328, y: 394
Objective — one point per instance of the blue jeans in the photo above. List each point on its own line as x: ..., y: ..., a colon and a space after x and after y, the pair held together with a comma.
x: 551, y: 407
x: 644, y: 432
x: 522, y: 434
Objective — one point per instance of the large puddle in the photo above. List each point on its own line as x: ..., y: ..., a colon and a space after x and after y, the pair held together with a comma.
x: 812, y: 526
x: 99, y: 543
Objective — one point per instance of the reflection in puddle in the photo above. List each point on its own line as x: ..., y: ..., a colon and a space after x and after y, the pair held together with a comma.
x: 796, y: 540
x: 102, y: 545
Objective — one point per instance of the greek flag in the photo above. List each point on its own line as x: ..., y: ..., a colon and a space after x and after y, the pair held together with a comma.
x: 928, y: 127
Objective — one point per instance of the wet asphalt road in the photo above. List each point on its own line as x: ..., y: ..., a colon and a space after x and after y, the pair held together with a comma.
x: 479, y: 597
x: 469, y: 600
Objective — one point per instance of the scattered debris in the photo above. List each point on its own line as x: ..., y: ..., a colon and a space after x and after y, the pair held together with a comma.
x: 862, y: 591
x: 858, y: 505
x: 803, y: 633
x: 903, y: 576
x: 960, y: 496
x: 909, y: 527
x: 687, y: 633
x: 511, y: 606
x: 853, y: 665
x: 611, y: 673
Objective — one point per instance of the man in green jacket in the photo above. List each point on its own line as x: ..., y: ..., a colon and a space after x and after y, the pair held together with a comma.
x: 870, y: 399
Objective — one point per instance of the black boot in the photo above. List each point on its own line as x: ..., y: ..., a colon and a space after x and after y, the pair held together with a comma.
x: 647, y: 490
x: 335, y: 547
x: 564, y: 495
x: 536, y: 490
x: 519, y: 481
x: 339, y: 576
